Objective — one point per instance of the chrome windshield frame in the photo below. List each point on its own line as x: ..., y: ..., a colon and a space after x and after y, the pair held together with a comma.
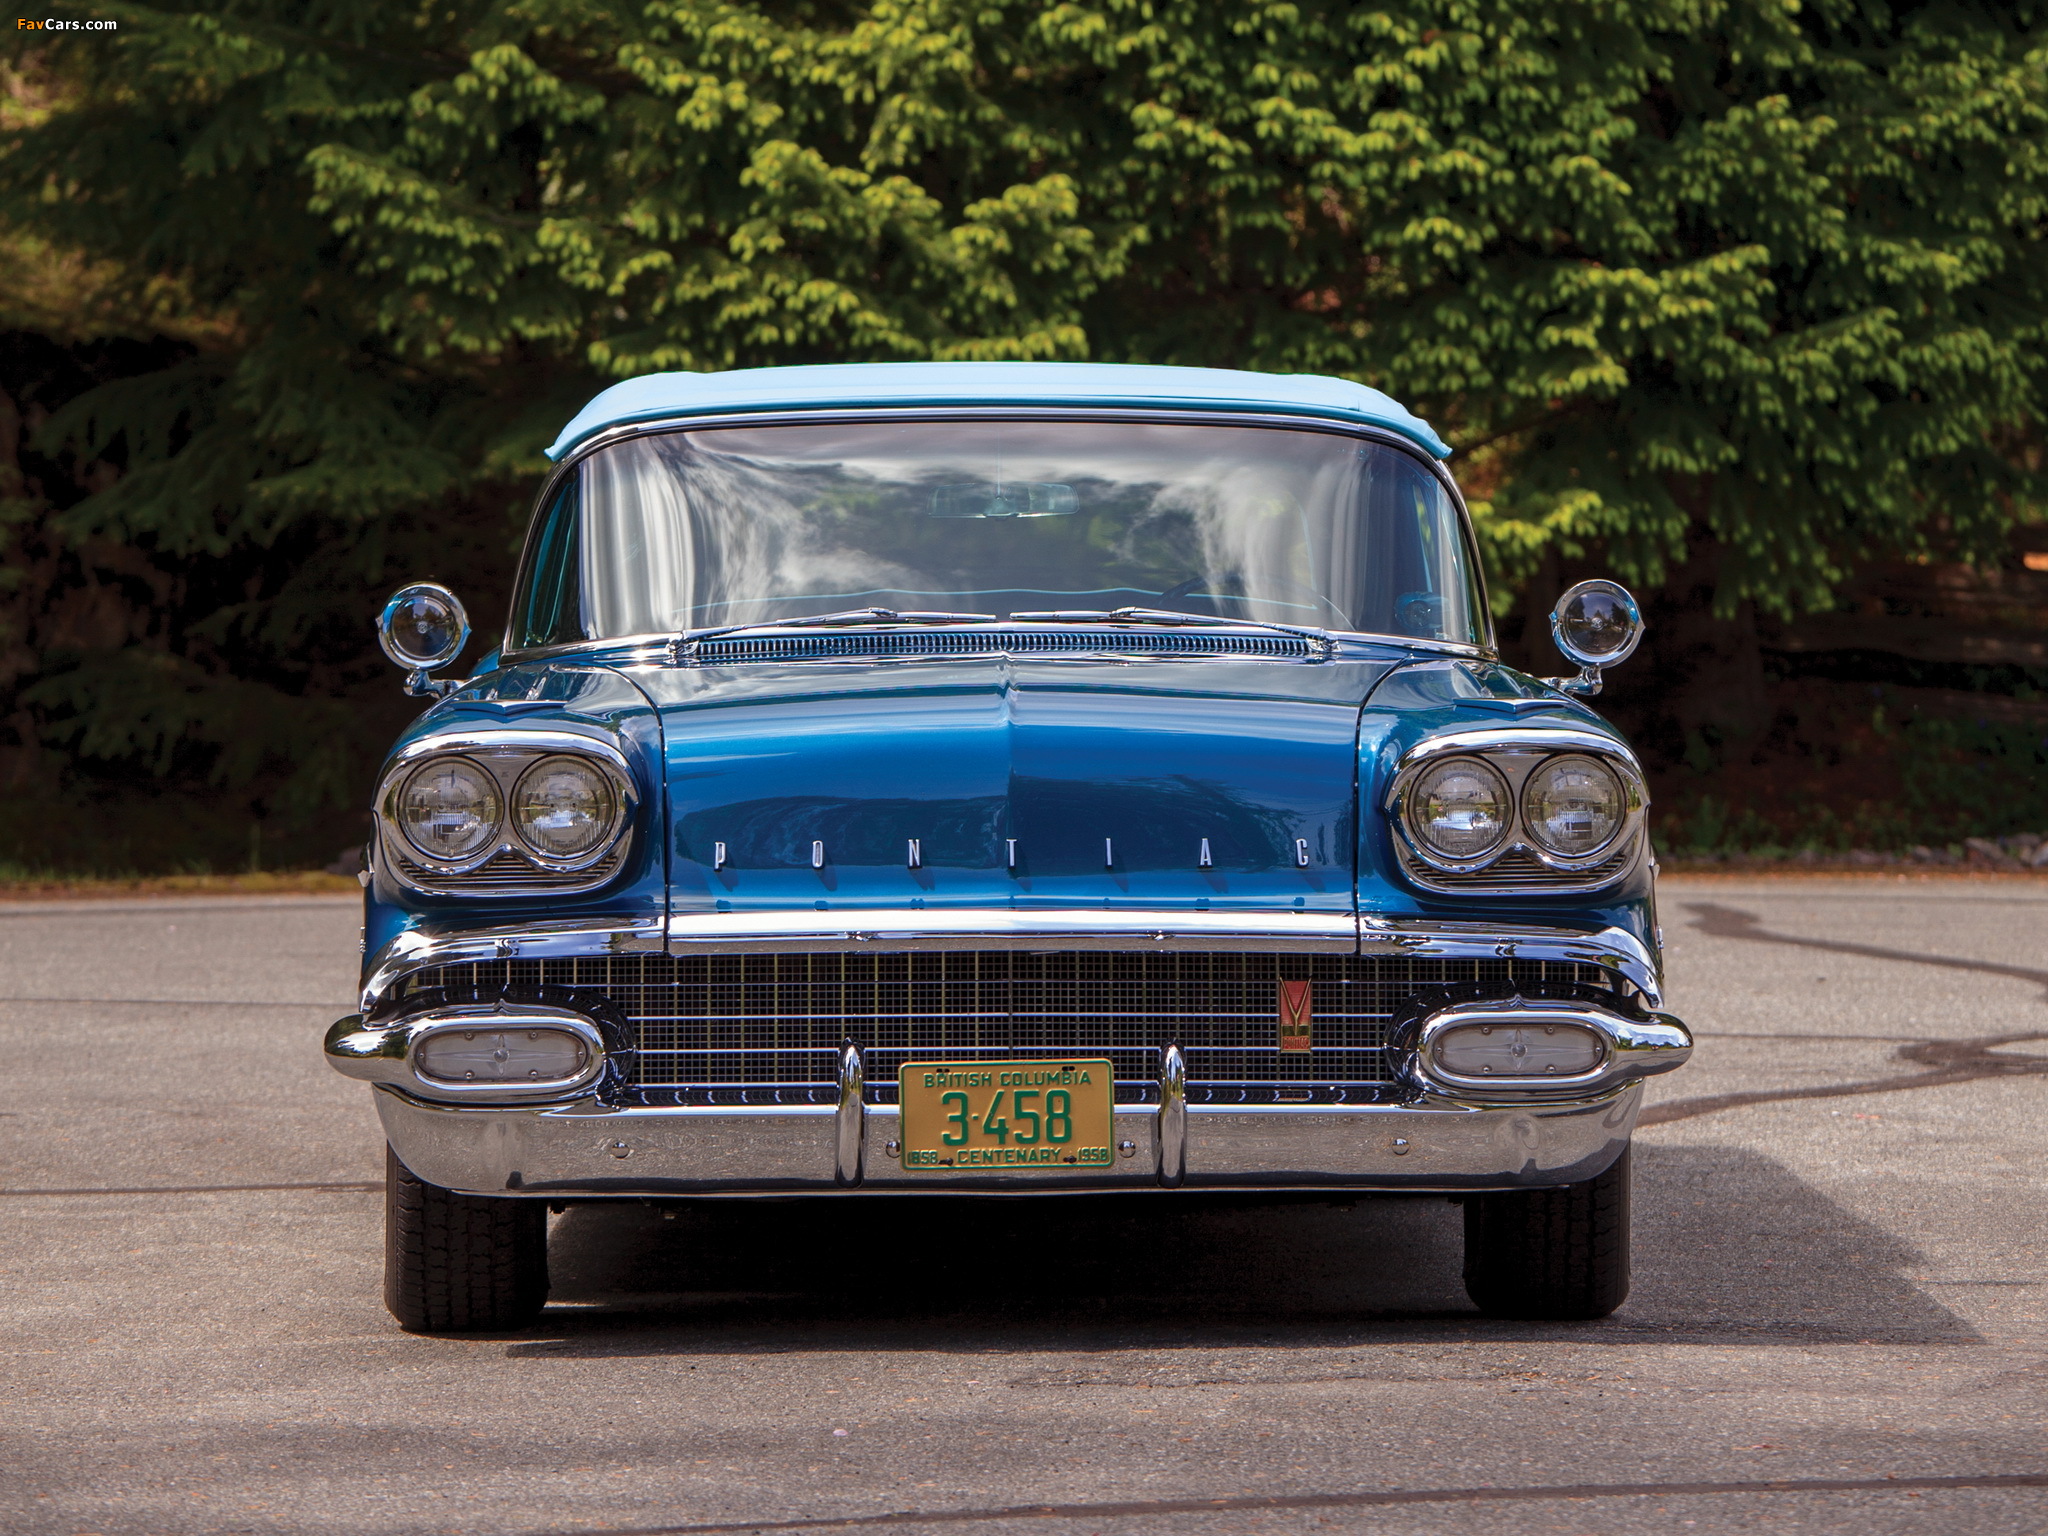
x: 511, y: 654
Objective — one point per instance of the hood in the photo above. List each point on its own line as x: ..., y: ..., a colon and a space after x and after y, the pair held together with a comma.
x: 1022, y: 783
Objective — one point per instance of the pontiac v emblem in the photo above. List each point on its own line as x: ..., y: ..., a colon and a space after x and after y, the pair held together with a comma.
x: 1296, y: 1010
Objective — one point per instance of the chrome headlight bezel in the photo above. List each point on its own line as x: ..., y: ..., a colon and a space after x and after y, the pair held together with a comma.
x: 507, y: 755
x: 1515, y: 754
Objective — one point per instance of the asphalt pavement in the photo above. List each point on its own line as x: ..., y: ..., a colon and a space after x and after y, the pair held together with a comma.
x: 1837, y: 1323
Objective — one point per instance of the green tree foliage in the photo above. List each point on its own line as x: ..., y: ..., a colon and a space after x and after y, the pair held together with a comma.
x: 1763, y: 274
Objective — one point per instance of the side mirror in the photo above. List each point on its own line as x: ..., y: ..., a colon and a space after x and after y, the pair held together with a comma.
x: 423, y: 628
x: 1598, y: 625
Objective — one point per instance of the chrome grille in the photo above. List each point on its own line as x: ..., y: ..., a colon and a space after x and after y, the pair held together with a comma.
x: 774, y: 1022
x: 994, y: 642
x: 1520, y: 870
x: 505, y: 873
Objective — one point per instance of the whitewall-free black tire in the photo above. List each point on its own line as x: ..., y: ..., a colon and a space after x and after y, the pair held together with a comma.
x: 1550, y: 1253
x: 460, y: 1263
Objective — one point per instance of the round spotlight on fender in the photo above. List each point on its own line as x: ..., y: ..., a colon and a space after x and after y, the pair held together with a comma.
x: 449, y: 809
x: 423, y: 627
x: 1459, y: 809
x: 1573, y: 806
x: 565, y: 809
x: 1597, y: 624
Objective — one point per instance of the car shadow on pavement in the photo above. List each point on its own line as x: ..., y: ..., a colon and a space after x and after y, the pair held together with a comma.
x: 1730, y: 1248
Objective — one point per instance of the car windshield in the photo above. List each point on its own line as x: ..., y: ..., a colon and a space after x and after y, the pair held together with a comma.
x: 687, y: 530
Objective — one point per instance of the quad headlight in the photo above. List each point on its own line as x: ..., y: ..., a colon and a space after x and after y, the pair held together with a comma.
x: 1461, y: 808
x: 449, y: 809
x: 505, y: 814
x: 564, y: 808
x: 1517, y: 809
x: 1573, y: 806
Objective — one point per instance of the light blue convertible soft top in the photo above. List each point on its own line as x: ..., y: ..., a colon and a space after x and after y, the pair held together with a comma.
x: 657, y: 396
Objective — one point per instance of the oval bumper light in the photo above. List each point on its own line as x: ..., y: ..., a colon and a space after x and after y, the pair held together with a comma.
x: 514, y: 1057
x: 1517, y: 1051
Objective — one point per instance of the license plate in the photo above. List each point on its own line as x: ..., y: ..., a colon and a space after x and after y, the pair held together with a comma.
x: 968, y: 1116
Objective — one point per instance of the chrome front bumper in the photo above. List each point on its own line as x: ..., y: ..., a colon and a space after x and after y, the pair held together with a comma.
x: 1439, y: 1136
x: 588, y: 1149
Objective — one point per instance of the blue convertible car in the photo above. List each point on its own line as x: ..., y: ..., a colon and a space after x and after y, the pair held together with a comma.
x: 1000, y: 777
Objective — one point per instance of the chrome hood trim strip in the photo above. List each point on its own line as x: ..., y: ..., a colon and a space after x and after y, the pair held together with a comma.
x: 1006, y: 928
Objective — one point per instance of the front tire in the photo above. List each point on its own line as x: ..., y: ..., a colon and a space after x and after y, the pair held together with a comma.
x: 460, y: 1263
x: 1550, y: 1254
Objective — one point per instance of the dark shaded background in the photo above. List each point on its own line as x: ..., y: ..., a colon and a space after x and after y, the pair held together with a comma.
x: 1916, y: 713
x: 1747, y: 307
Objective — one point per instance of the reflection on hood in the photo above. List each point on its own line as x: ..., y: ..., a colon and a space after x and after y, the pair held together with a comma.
x: 1102, y: 781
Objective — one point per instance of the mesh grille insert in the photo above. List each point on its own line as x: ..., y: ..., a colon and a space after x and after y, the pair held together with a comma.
x: 1520, y: 870
x: 777, y: 1020
x: 505, y: 873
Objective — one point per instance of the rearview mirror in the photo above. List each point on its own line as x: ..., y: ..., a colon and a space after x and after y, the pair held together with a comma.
x: 1597, y: 625
x: 423, y: 628
x: 1017, y: 498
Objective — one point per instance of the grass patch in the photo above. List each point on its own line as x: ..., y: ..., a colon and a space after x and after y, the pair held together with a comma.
x: 20, y: 884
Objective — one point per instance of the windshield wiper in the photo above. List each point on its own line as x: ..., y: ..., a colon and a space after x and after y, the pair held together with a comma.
x: 1163, y: 616
x: 1122, y: 616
